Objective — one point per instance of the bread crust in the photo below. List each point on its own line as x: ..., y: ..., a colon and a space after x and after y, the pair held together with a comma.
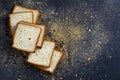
x: 37, y: 25
x: 16, y: 25
x: 44, y: 36
x: 50, y: 58
x: 37, y: 64
x: 36, y: 41
x: 31, y: 9
x: 36, y: 21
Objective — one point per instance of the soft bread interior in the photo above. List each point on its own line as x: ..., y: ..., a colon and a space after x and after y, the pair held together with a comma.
x: 18, y: 8
x: 42, y: 34
x: 26, y: 37
x: 54, y: 62
x: 17, y: 17
x: 42, y: 56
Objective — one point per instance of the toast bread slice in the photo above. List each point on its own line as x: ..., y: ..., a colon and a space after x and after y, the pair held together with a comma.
x: 42, y: 34
x: 26, y: 37
x: 17, y: 17
x: 43, y: 56
x: 54, y: 62
x: 18, y: 8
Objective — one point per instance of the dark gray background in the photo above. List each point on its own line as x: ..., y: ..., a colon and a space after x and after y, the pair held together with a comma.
x: 106, y: 66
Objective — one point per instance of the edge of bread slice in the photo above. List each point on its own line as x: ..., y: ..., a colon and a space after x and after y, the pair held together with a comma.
x: 57, y: 55
x: 26, y: 37
x: 18, y: 8
x: 42, y: 34
x: 43, y: 56
x: 17, y: 17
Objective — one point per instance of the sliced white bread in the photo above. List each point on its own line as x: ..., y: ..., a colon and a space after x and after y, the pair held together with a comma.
x: 26, y: 37
x: 42, y: 34
x: 18, y: 8
x: 17, y: 17
x: 54, y: 62
x: 43, y: 56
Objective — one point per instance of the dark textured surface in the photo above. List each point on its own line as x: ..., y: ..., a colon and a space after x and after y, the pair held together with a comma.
x: 86, y: 31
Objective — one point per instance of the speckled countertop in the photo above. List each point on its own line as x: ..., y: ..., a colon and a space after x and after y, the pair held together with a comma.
x: 86, y: 31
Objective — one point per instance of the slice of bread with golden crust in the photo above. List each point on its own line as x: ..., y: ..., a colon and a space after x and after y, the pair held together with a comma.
x: 57, y: 55
x: 43, y: 56
x: 17, y: 17
x: 18, y: 8
x: 42, y: 34
x: 26, y: 37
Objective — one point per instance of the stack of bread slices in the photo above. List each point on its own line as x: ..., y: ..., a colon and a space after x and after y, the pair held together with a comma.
x: 28, y: 36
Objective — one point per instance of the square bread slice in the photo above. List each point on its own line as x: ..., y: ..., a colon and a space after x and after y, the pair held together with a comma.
x: 17, y: 17
x: 54, y: 62
x: 42, y: 34
x: 26, y: 37
x: 18, y: 8
x: 43, y: 56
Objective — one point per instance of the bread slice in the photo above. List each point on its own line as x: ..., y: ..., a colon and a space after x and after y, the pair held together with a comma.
x: 42, y: 57
x: 26, y: 37
x: 54, y: 62
x: 18, y: 8
x: 17, y: 17
x: 42, y: 34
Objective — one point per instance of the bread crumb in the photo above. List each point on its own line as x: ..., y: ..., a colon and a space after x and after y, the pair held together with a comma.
x: 81, y: 79
x: 89, y: 59
x: 76, y: 75
x: 61, y: 49
x: 61, y: 78
x: 46, y: 4
x: 52, y: 78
